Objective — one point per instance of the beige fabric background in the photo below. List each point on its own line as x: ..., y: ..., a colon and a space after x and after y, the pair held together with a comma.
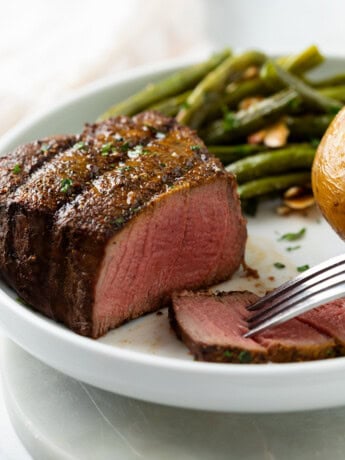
x: 50, y: 48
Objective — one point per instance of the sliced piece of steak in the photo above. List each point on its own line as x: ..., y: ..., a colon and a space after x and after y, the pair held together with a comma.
x: 15, y: 169
x: 108, y: 229
x: 329, y: 319
x: 296, y: 341
x: 212, y: 327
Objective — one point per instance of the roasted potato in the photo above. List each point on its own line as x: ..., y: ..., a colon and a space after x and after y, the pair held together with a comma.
x: 328, y: 174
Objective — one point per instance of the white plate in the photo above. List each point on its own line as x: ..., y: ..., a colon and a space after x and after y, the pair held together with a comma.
x: 144, y: 359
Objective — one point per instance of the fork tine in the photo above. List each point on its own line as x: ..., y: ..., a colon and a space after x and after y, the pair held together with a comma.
x: 309, y: 274
x: 296, y: 289
x: 316, y: 300
x: 291, y: 301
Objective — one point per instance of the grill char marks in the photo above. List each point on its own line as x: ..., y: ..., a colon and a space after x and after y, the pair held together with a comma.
x: 15, y: 169
x: 174, y: 161
x: 108, y: 229
x: 212, y: 327
x: 172, y: 156
x: 33, y: 206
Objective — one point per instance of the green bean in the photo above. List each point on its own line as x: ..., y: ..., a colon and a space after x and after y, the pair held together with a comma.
x: 229, y: 153
x: 238, y: 91
x: 306, y: 92
x: 335, y: 92
x: 233, y: 95
x: 235, y: 92
x: 210, y: 90
x: 308, y: 126
x: 273, y: 162
x: 173, y: 84
x: 335, y: 80
x: 235, y: 125
x: 300, y: 63
x: 171, y: 105
x: 296, y: 64
x: 266, y: 185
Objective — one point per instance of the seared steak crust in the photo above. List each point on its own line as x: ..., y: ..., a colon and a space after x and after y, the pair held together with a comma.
x: 66, y: 213
x: 15, y: 169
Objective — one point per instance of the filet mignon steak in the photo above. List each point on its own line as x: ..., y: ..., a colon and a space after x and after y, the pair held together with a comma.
x: 212, y: 327
x: 106, y: 229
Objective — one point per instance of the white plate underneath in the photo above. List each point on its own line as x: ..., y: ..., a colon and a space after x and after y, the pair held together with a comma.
x: 144, y: 359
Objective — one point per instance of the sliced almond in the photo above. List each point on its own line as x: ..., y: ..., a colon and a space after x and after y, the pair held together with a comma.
x: 249, y: 102
x: 298, y: 198
x: 257, y: 138
x: 300, y: 203
x: 250, y: 72
x: 283, y: 210
x: 276, y: 135
x: 231, y: 87
x: 295, y: 191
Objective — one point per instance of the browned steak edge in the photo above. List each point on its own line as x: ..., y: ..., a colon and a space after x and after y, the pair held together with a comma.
x: 276, y: 354
x: 213, y: 353
x: 23, y: 162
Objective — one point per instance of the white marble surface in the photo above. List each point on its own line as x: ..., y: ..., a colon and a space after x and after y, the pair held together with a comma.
x: 10, y: 446
x: 59, y: 418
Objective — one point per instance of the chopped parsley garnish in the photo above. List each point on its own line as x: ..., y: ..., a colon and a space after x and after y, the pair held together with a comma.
x: 124, y: 147
x: 292, y: 248
x: 66, y: 184
x: 119, y: 221
x: 136, y: 209
x: 245, y: 357
x: 230, y: 121
x: 106, y: 148
x: 294, y: 104
x: 293, y: 236
x: 185, y: 105
x: 16, y: 168
x: 79, y: 145
x: 333, y: 110
x: 279, y: 265
x: 303, y: 268
x: 227, y: 354
x: 315, y: 142
x: 330, y: 352
x: 162, y: 165
x: 45, y: 147
x: 124, y: 168
x: 22, y: 301
x: 195, y: 147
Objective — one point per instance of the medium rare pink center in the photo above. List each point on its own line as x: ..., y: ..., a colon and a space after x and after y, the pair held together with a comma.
x: 180, y: 241
x: 209, y: 320
x: 291, y: 333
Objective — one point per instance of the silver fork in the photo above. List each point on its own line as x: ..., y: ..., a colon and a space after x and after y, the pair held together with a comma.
x: 314, y: 287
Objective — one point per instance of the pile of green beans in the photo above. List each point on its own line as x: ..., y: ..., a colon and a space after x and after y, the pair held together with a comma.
x: 206, y: 97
